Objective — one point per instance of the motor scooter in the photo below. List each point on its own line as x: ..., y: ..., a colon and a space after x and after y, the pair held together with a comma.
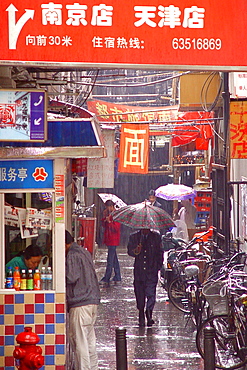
x: 169, y: 246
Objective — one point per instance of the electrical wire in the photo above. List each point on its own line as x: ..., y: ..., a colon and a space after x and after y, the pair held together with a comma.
x: 168, y: 124
x: 134, y: 85
x: 90, y: 91
x: 204, y: 92
x: 215, y: 132
x: 214, y: 102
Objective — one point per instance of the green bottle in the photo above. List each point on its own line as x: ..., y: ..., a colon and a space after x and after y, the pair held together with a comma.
x: 30, y: 280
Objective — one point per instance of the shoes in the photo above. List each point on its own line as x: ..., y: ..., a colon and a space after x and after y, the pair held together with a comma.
x: 141, y: 318
x: 116, y: 282
x: 150, y: 321
x: 104, y: 283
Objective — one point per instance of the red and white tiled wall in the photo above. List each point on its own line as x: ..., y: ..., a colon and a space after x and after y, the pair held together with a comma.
x: 45, y: 312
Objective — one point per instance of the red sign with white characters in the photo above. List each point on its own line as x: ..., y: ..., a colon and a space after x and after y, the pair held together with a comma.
x: 134, y: 148
x: 178, y: 33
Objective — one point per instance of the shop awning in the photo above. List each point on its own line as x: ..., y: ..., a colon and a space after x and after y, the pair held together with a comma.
x: 67, y: 138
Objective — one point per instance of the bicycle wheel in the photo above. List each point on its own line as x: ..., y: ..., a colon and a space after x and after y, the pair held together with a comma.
x: 199, y: 308
x: 178, y: 295
x: 197, y: 305
x: 229, y: 349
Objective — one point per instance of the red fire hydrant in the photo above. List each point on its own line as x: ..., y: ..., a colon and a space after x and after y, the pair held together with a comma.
x: 29, y: 355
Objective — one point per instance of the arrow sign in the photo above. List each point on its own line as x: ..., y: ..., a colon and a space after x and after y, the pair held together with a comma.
x: 16, y: 27
x: 37, y: 122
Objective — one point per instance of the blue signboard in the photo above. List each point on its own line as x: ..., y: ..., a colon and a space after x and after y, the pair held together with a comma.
x: 26, y: 174
x: 23, y: 115
x: 37, y: 121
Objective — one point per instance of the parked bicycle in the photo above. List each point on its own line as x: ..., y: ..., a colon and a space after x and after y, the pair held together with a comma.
x: 185, y: 292
x: 191, y: 269
x: 228, y: 303
x: 187, y: 265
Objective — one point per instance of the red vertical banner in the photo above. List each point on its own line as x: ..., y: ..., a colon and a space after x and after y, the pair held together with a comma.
x: 59, y: 195
x: 134, y: 148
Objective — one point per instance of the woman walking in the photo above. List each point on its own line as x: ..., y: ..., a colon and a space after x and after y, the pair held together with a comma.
x: 111, y: 240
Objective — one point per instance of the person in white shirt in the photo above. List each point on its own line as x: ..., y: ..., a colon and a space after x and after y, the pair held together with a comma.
x: 187, y: 213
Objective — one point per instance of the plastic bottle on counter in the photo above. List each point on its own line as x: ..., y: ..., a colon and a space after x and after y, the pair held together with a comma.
x: 17, y: 278
x: 37, y: 280
x: 30, y: 280
x: 23, y: 280
x: 49, y: 278
x: 9, y: 279
x: 43, y: 278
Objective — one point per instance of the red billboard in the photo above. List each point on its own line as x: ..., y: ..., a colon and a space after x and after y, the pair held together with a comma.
x: 183, y: 126
x: 203, y: 34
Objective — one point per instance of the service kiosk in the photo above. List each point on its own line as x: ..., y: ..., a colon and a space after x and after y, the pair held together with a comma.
x: 32, y: 209
x: 36, y: 196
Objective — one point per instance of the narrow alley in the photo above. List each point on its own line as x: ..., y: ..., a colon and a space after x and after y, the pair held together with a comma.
x: 168, y: 344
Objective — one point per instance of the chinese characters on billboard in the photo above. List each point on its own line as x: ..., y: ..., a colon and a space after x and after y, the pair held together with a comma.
x: 238, y: 134
x: 134, y: 148
x: 118, y: 113
x: 26, y: 174
x: 143, y: 32
x: 110, y: 112
x: 100, y: 172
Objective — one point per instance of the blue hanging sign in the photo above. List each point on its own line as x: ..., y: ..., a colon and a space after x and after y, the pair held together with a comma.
x: 26, y: 174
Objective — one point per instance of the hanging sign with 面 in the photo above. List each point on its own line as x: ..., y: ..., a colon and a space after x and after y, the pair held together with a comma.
x: 173, y: 34
x: 134, y: 148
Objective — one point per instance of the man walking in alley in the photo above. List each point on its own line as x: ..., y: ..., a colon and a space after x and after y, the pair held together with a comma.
x: 83, y: 297
x: 145, y: 246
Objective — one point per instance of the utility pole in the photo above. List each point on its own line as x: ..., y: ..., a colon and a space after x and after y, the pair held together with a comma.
x: 226, y: 117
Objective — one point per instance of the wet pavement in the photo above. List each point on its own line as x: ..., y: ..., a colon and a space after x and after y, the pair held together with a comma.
x: 169, y: 344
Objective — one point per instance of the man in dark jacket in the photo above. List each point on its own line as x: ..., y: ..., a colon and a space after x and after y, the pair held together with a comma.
x: 152, y: 199
x: 145, y: 246
x: 83, y: 297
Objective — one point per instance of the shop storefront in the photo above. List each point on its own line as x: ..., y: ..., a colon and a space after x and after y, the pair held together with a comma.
x: 30, y: 208
x: 36, y: 208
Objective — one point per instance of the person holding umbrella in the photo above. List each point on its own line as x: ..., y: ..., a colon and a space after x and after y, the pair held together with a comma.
x: 145, y: 246
x: 111, y: 240
x: 152, y: 199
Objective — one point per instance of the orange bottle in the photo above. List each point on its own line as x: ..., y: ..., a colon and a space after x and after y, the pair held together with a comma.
x: 36, y: 280
x: 17, y: 278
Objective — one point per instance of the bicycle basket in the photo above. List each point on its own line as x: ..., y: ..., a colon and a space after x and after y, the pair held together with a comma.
x: 217, y: 303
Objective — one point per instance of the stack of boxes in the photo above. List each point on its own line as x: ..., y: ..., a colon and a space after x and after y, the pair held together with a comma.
x: 203, y: 202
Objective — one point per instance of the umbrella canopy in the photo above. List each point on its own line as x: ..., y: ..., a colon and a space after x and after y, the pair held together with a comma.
x: 175, y: 192
x: 116, y: 200
x: 143, y: 216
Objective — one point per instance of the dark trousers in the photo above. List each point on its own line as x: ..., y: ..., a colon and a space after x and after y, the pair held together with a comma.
x: 145, y: 291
